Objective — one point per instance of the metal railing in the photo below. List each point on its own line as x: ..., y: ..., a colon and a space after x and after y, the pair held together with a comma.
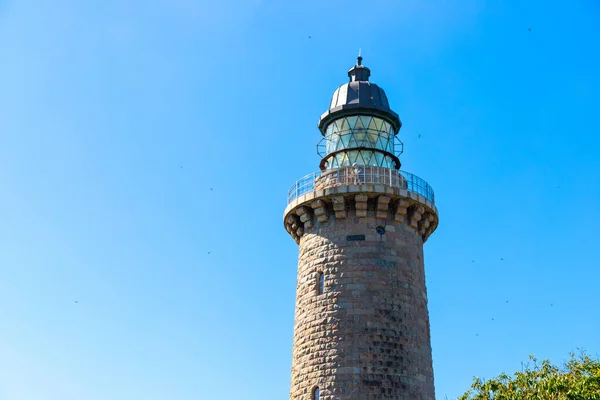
x: 360, y: 175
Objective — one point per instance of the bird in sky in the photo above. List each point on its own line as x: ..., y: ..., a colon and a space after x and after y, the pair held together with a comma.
x: 419, y: 135
x: 76, y: 301
x: 310, y: 37
x: 529, y: 29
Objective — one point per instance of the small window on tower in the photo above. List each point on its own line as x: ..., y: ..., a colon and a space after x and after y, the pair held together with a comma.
x: 316, y: 395
x: 320, y: 283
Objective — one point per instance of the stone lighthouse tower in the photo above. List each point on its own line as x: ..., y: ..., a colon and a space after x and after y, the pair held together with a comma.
x: 361, y: 328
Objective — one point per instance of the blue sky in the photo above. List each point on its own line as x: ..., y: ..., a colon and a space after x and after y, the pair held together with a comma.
x: 117, y: 118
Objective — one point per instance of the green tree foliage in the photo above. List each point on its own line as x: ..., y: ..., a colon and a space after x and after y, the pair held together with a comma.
x: 577, y: 379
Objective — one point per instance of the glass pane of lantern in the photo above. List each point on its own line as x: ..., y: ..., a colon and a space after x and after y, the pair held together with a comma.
x: 390, y: 146
x: 352, y: 156
x: 342, y: 159
x: 377, y: 122
x: 344, y: 141
x: 361, y: 139
x: 373, y: 125
x: 365, y: 121
x: 367, y: 157
x: 383, y: 144
x: 333, y: 143
x: 372, y: 138
x: 351, y: 121
x: 329, y: 146
x: 359, y: 125
x: 385, y: 127
x: 391, y: 130
x: 342, y: 125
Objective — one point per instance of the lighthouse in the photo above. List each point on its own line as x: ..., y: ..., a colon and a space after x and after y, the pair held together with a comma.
x: 361, y: 327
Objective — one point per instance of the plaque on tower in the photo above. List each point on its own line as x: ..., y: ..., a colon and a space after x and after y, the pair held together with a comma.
x: 352, y: 238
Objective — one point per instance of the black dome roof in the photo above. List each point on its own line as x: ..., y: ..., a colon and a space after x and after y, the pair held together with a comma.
x: 359, y: 96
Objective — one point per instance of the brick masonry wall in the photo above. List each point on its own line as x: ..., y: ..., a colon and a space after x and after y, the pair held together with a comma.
x: 367, y: 335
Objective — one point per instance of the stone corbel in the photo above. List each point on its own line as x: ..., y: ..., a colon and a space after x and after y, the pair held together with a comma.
x: 401, y: 210
x: 339, y: 207
x: 361, y: 205
x: 424, y: 223
x: 305, y: 214
x: 320, y: 210
x: 415, y: 216
x: 383, y: 203
x: 292, y: 224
